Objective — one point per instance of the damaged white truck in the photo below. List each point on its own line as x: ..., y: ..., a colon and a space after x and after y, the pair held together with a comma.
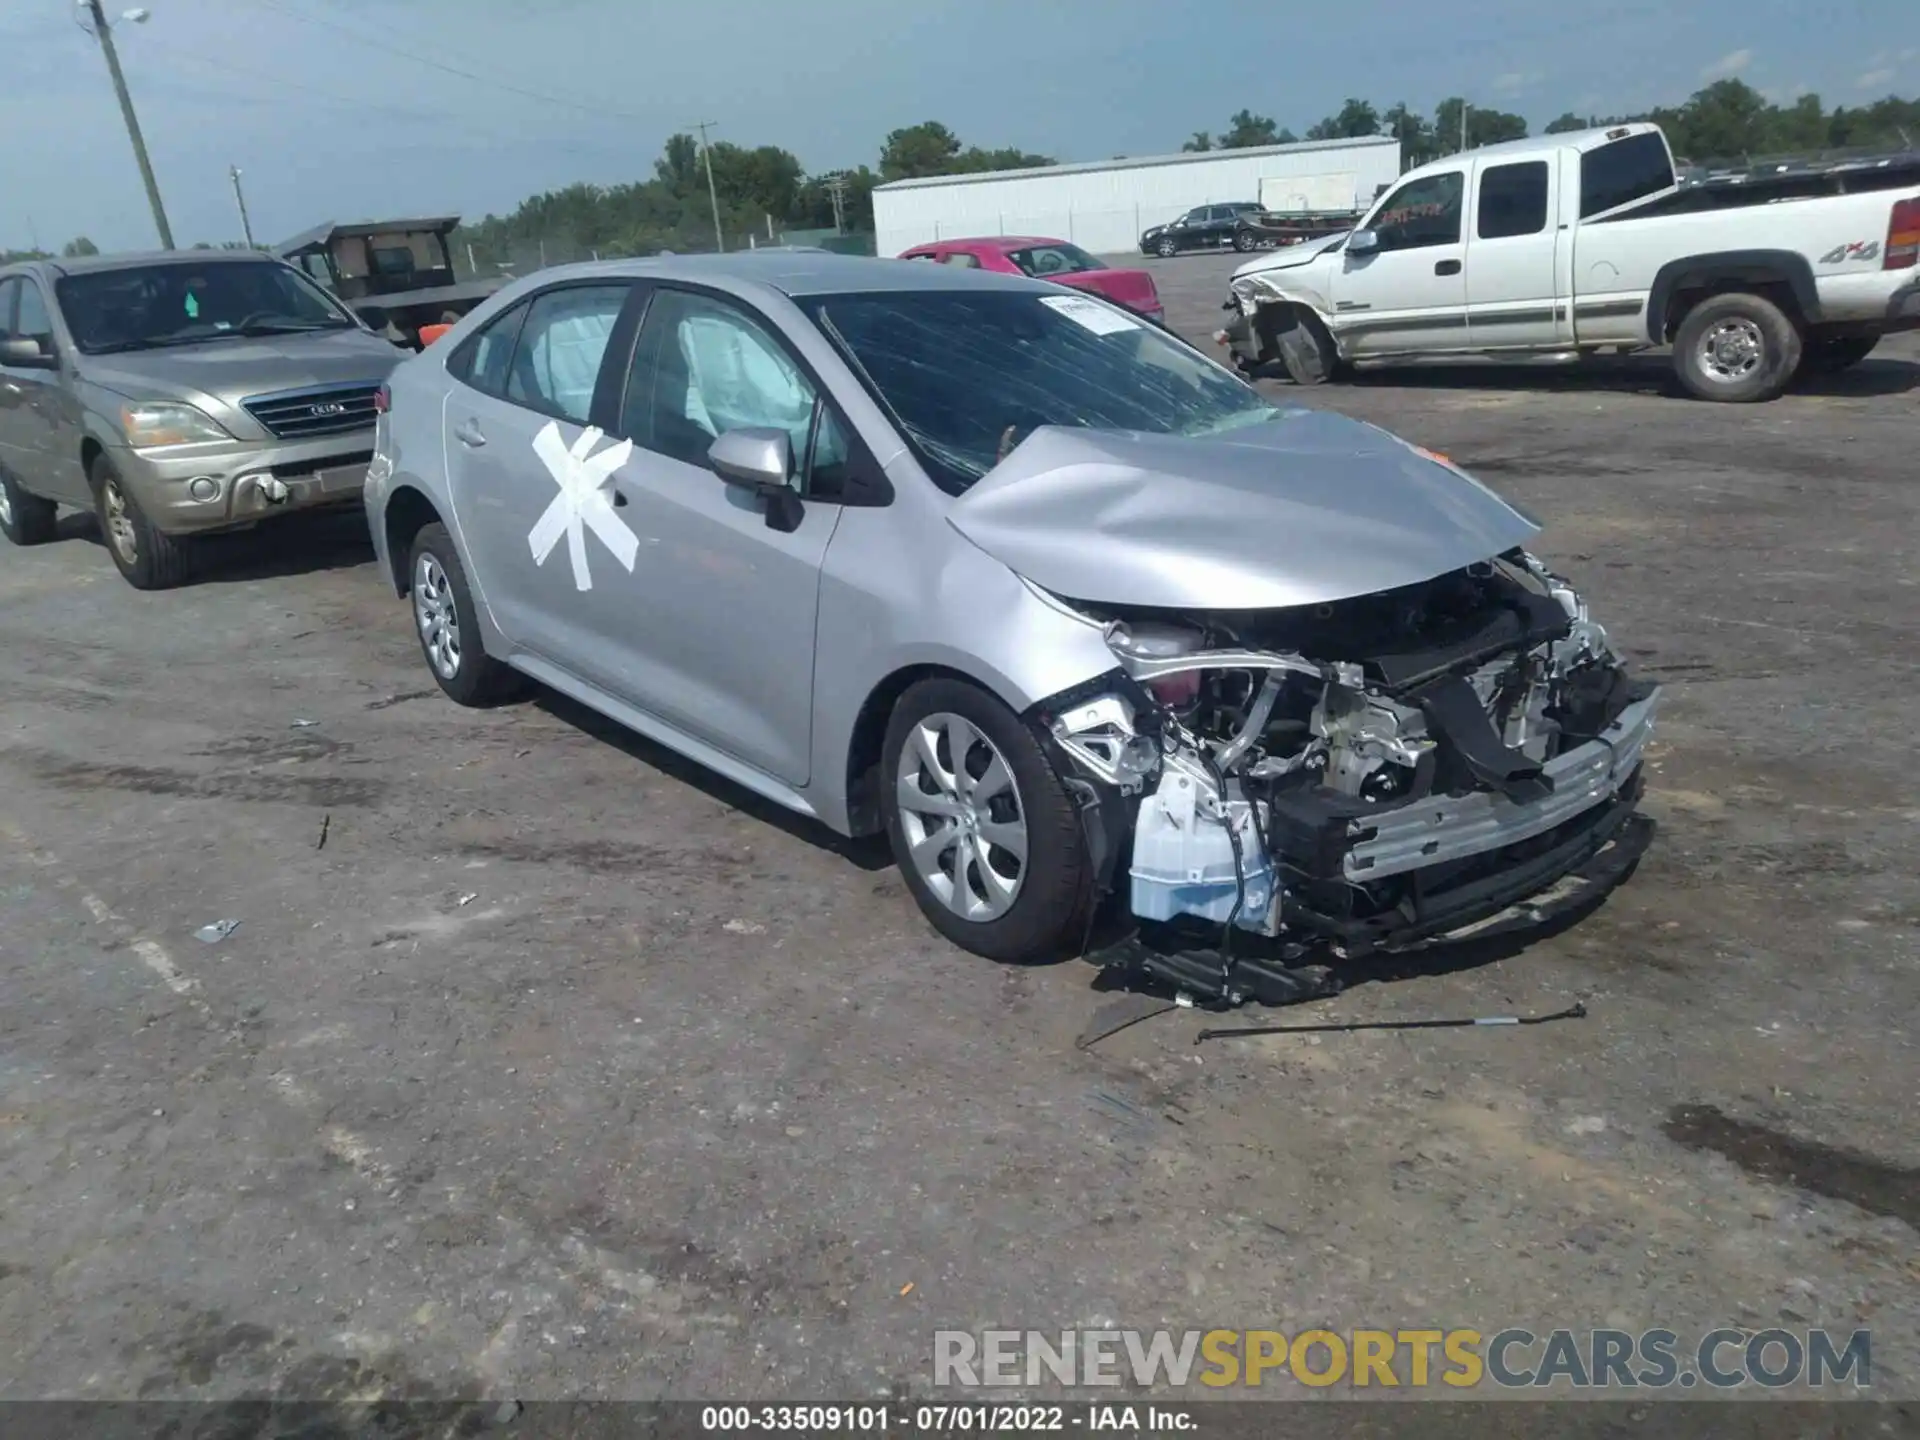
x: 1071, y: 612
x: 1576, y: 243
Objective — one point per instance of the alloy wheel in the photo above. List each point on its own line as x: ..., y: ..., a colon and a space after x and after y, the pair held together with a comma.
x: 960, y: 809
x: 118, y: 523
x: 1732, y: 350
x: 434, y: 612
x: 6, y: 505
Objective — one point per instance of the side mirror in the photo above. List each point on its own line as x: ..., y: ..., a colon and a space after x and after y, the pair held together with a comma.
x: 24, y: 353
x: 1363, y: 242
x: 760, y: 459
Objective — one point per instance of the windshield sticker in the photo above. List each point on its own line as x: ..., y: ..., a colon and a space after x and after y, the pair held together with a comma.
x: 192, y: 307
x: 582, y: 503
x: 1090, y: 314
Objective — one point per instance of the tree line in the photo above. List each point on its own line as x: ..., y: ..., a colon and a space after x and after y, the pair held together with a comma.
x: 1726, y: 121
x: 766, y: 188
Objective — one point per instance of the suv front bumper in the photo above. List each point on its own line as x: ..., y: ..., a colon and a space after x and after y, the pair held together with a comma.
x: 235, y: 487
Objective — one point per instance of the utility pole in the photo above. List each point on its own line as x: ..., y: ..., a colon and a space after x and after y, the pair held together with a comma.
x: 104, y: 34
x: 1463, y: 124
x: 837, y: 191
x: 240, y: 199
x: 713, y: 194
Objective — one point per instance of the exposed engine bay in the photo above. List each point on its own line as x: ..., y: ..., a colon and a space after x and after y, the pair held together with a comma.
x: 1373, y: 772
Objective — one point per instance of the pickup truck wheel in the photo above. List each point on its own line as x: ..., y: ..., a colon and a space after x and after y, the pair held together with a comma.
x: 985, y: 834
x: 1166, y: 247
x: 25, y: 519
x: 1308, y: 351
x: 1736, y: 348
x: 1830, y: 357
x: 1242, y: 241
x: 147, y: 558
x: 448, y: 626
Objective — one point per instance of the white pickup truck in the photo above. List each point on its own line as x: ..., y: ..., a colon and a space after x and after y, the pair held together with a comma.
x: 1586, y: 241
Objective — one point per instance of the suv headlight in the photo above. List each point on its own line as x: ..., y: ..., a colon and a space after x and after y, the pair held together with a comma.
x: 161, y: 423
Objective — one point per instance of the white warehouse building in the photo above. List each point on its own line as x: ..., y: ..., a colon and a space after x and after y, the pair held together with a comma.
x: 1104, y: 205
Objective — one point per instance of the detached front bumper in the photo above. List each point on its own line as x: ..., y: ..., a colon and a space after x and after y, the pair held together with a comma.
x: 227, y: 488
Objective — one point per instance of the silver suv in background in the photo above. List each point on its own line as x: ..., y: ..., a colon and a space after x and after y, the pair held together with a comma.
x: 175, y: 395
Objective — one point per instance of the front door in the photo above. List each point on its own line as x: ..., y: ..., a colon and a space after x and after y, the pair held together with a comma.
x: 1512, y: 298
x: 532, y: 371
x: 716, y: 622
x: 1410, y: 294
x: 49, y: 427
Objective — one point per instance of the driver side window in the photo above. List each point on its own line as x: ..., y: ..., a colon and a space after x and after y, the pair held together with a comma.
x: 703, y: 367
x: 1422, y: 212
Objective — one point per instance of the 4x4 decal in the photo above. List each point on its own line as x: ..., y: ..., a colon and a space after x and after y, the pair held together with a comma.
x: 1858, y: 250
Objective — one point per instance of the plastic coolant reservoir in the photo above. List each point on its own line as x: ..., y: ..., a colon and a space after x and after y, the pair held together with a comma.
x: 1183, y: 860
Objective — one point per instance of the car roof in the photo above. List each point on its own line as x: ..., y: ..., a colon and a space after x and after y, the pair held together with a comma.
x: 137, y: 260
x: 995, y: 242
x: 792, y: 273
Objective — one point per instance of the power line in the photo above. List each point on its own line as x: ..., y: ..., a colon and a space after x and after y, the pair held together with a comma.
x: 387, y: 49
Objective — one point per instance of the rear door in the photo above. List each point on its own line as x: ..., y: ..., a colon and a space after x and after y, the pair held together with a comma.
x: 1513, y: 258
x: 1409, y: 295
x: 529, y: 382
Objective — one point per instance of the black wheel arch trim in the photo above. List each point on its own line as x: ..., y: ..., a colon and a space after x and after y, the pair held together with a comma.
x: 1759, y: 265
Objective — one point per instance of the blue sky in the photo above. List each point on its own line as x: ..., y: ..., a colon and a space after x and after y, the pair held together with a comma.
x: 327, y: 123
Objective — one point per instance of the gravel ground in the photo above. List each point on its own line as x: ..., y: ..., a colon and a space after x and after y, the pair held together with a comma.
x: 561, y: 1069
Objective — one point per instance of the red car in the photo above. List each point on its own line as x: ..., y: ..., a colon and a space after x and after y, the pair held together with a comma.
x: 1044, y: 259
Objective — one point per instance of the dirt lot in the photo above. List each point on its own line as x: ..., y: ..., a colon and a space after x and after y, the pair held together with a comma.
x: 561, y: 1069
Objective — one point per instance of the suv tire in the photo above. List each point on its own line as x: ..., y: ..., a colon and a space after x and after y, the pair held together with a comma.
x: 448, y: 626
x: 25, y: 519
x: 148, y: 558
x: 1736, y: 348
x: 1307, y: 350
x: 1001, y: 795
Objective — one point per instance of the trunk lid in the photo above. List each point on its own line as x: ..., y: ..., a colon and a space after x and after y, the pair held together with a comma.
x: 1131, y: 288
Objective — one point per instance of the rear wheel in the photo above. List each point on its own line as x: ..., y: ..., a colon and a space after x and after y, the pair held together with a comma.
x: 985, y: 834
x: 1830, y: 357
x: 146, y: 557
x: 449, y: 627
x: 1308, y: 352
x: 25, y: 519
x: 1736, y: 348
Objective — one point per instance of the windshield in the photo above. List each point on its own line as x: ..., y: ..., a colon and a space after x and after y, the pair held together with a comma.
x: 144, y: 307
x: 1053, y: 259
x: 967, y: 375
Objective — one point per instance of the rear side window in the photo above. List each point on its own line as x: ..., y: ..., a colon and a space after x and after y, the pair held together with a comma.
x: 483, y: 360
x: 1513, y: 200
x: 1623, y: 171
x: 962, y: 259
x: 557, y: 361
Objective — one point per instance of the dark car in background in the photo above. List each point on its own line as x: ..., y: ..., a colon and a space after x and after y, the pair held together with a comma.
x: 1205, y: 227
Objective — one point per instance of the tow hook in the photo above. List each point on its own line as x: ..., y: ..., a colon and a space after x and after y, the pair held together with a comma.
x: 273, y: 490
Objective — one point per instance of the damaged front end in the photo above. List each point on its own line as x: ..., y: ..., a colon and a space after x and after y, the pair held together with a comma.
x: 1368, y: 774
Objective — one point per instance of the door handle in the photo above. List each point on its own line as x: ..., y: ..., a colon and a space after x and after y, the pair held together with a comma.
x: 468, y: 433
x: 1447, y: 267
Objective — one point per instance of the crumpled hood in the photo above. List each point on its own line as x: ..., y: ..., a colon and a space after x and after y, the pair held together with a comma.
x: 1304, y: 509
x: 1288, y: 257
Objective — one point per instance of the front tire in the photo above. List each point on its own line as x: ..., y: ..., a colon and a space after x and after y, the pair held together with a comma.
x: 1308, y: 351
x: 448, y: 626
x: 25, y: 519
x: 984, y: 832
x: 1736, y: 348
x: 1166, y: 248
x: 147, y: 558
x: 1242, y: 241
